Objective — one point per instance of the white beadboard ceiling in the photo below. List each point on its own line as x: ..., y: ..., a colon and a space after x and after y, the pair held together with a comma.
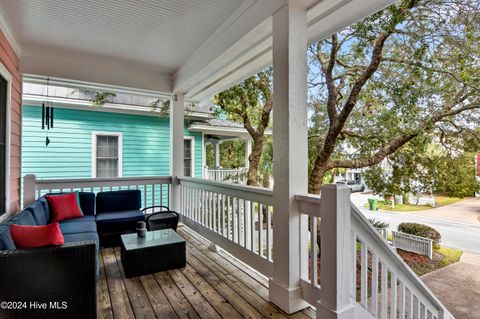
x: 196, y: 47
x: 160, y: 34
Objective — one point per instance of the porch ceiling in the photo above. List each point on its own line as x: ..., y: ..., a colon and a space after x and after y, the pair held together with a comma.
x: 197, y: 47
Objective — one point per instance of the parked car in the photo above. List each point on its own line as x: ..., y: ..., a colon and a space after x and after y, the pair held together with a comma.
x: 354, y: 185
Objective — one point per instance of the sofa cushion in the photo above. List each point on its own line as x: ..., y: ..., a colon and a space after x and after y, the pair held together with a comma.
x: 25, y: 217
x: 78, y: 220
x: 44, y: 201
x: 37, y: 209
x: 118, y: 201
x: 121, y: 217
x: 87, y: 203
x: 76, y: 227
x: 36, y: 236
x: 6, y: 241
x: 64, y: 207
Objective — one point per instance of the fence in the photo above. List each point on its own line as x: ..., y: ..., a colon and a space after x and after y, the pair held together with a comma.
x: 234, y: 175
x: 414, y: 244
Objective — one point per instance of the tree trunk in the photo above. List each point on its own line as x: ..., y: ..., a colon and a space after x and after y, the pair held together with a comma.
x: 254, y: 160
x: 316, y: 176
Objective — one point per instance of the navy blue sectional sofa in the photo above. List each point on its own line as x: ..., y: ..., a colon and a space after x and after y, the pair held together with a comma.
x: 68, y: 272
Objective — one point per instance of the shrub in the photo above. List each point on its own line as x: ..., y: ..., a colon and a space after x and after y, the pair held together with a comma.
x: 422, y: 231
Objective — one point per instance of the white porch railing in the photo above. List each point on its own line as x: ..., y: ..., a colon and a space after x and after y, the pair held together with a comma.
x: 231, y: 175
x: 236, y: 217
x: 384, y: 285
x: 155, y: 189
x: 356, y: 272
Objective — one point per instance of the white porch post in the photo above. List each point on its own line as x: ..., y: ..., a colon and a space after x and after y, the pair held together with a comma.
x: 248, y: 151
x: 290, y: 153
x: 217, y: 155
x: 335, y: 300
x: 176, y: 146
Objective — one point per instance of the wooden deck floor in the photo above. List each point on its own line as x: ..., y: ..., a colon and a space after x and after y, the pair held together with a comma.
x: 213, y: 285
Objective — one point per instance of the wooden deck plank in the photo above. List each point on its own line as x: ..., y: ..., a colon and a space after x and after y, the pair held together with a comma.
x: 223, y: 307
x: 202, y: 307
x: 244, y: 308
x: 119, y: 298
x: 104, y: 306
x: 212, y: 285
x: 160, y: 304
x: 208, y: 266
x: 236, y: 271
x: 138, y: 298
x: 178, y: 301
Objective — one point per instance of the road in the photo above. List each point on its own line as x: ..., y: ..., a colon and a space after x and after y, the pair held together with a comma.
x: 463, y: 236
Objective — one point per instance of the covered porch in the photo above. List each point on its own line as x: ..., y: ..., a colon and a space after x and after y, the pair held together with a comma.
x: 270, y: 263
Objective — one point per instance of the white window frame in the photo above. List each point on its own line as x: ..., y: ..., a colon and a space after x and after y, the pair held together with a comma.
x: 192, y: 150
x: 94, y: 151
x: 8, y: 77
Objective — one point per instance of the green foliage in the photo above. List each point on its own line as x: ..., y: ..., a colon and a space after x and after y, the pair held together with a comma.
x: 422, y: 231
x: 425, y: 88
x: 101, y: 98
x: 232, y: 154
x: 425, y: 168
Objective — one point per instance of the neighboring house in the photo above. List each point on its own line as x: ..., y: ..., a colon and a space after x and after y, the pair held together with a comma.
x: 123, y: 138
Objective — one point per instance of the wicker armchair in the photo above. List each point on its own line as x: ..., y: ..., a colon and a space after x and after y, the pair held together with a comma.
x: 60, y: 276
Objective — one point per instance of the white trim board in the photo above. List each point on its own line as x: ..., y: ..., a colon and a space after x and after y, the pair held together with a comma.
x: 94, y: 150
x: 8, y: 77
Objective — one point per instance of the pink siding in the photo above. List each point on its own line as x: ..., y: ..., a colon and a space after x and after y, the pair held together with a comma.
x: 10, y: 60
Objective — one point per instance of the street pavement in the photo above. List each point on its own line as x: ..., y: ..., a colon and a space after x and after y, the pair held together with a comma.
x: 458, y: 235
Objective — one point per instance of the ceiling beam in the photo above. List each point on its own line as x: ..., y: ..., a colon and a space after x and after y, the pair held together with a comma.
x: 252, y: 52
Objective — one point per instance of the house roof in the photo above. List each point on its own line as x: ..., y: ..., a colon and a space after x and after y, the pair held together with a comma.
x: 220, y: 127
x: 68, y: 97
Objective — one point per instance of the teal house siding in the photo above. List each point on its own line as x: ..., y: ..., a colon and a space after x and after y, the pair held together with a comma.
x: 69, y: 155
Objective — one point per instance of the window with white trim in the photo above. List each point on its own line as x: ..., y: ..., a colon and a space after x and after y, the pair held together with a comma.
x: 107, y: 155
x: 188, y: 157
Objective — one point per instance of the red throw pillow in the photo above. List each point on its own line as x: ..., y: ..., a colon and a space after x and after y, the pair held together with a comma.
x: 63, y: 207
x: 36, y: 236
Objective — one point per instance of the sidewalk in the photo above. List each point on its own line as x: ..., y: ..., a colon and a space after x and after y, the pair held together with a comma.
x: 458, y: 286
x: 465, y: 211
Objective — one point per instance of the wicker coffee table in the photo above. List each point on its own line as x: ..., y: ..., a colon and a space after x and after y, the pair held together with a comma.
x: 159, y: 250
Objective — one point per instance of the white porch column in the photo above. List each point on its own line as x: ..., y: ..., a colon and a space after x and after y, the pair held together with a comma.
x: 217, y: 155
x: 176, y: 146
x: 248, y: 151
x: 290, y: 154
x: 336, y: 278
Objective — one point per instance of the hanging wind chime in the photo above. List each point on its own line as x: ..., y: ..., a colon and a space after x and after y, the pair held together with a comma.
x: 47, y: 116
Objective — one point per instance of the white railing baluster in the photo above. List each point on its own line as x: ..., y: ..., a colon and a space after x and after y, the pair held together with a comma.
x: 363, y: 274
x: 252, y: 227
x: 313, y: 251
x: 410, y: 305
x: 374, y: 307
x: 401, y: 306
x: 384, y: 290
x: 269, y: 233
x: 393, y: 295
x: 260, y: 229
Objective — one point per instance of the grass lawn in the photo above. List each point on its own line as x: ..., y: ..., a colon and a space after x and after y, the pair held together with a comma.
x: 421, y: 265
x: 400, y: 208
x: 445, y: 200
x: 440, y: 200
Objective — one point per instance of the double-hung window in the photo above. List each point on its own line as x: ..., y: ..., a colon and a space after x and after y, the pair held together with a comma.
x: 107, y: 159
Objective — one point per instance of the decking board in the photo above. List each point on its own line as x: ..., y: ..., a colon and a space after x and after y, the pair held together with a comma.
x: 213, y: 285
